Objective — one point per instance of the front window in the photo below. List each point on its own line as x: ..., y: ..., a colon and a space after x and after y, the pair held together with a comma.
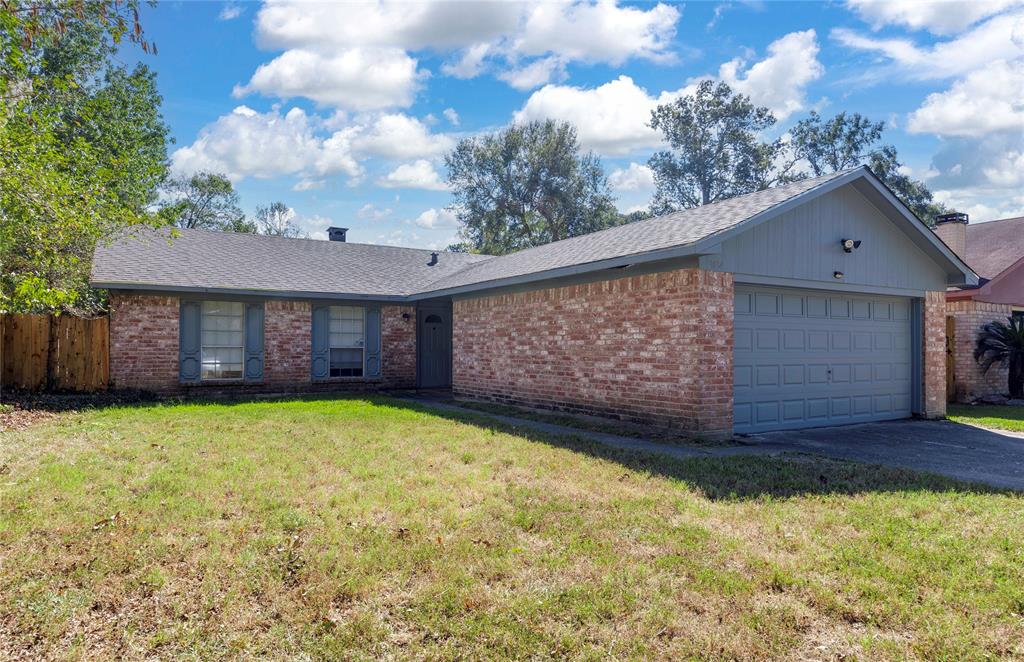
x: 223, y: 339
x: 346, y: 341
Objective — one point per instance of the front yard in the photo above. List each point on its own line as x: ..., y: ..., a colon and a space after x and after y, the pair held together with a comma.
x: 996, y: 417
x: 366, y: 528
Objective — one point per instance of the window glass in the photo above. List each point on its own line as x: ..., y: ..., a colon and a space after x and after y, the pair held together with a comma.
x: 346, y: 336
x: 223, y: 339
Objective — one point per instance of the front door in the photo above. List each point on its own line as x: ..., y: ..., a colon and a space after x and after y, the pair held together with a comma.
x: 435, y: 347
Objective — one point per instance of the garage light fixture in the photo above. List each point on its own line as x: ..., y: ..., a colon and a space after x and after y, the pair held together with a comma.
x: 849, y: 244
x: 838, y: 275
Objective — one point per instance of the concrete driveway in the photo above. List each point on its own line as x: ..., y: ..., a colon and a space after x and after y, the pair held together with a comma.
x: 942, y: 447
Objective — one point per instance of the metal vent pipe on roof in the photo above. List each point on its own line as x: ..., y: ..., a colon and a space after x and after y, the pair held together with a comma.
x: 433, y: 260
x: 336, y: 233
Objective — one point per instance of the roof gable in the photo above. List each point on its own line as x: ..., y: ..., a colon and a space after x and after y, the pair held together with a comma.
x: 995, y: 246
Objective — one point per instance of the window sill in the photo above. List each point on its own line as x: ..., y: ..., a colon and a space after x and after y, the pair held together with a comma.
x: 325, y: 380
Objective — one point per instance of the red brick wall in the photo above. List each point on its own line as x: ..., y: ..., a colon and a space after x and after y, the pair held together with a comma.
x: 144, y: 348
x: 287, y: 342
x: 934, y: 347
x: 144, y: 342
x: 969, y: 316
x: 398, y: 346
x: 655, y: 347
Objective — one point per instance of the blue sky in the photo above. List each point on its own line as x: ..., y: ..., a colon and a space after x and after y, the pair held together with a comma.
x: 344, y: 111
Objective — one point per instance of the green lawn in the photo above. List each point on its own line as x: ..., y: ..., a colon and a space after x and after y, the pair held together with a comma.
x: 367, y: 528
x: 999, y: 417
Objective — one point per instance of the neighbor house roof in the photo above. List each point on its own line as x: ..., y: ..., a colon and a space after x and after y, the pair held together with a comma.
x: 206, y: 261
x: 995, y: 246
x: 200, y: 260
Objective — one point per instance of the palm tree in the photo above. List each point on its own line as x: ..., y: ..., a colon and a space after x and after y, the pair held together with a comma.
x: 999, y: 342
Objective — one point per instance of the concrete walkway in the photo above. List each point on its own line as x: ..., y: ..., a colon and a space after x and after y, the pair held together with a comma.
x: 959, y: 451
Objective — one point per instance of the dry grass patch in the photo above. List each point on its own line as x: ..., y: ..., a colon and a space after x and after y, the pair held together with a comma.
x: 367, y: 528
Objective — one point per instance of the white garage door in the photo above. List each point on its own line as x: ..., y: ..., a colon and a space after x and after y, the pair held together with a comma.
x: 808, y: 358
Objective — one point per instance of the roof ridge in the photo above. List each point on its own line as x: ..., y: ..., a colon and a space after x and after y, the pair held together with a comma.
x: 997, y: 220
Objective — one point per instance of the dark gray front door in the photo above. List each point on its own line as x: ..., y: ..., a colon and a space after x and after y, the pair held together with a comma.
x: 435, y: 347
x: 810, y: 358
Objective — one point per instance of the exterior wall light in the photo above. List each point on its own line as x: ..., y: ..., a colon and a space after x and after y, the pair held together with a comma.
x: 849, y: 244
x: 838, y: 275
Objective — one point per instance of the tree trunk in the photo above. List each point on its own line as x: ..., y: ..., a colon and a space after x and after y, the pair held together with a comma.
x: 1016, y: 376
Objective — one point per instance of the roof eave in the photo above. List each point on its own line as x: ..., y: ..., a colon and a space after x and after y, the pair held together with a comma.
x: 234, y: 291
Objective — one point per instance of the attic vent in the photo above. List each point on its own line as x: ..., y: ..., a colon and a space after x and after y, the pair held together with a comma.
x: 336, y: 234
x: 433, y: 260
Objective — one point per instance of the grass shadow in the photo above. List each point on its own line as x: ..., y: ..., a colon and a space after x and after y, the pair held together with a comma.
x: 736, y: 477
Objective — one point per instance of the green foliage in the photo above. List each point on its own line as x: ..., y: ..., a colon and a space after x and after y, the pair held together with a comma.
x: 82, y: 147
x: 1003, y: 343
x: 846, y: 141
x: 527, y: 185
x: 205, y: 201
x: 715, y: 152
x: 278, y: 220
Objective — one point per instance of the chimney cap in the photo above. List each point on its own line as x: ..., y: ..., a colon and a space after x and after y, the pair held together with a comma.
x: 334, y: 233
x: 952, y: 217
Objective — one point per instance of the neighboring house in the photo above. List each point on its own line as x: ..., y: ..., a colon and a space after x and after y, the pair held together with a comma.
x: 745, y: 315
x: 995, y: 251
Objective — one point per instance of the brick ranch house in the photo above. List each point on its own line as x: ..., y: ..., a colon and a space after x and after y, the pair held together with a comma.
x: 817, y: 303
x: 995, y: 250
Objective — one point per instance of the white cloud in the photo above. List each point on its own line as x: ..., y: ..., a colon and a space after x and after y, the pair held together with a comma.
x: 373, y: 213
x: 419, y: 174
x: 451, y: 116
x: 635, y: 177
x: 398, y: 136
x: 308, y: 184
x: 611, y: 118
x: 1007, y: 170
x: 326, y: 43
x: 230, y: 11
x: 941, y: 18
x: 355, y: 78
x: 470, y: 64
x: 999, y: 38
x: 315, y: 226
x: 987, y: 100
x: 599, y: 32
x: 535, y: 74
x: 433, y: 219
x: 245, y: 143
x: 779, y: 80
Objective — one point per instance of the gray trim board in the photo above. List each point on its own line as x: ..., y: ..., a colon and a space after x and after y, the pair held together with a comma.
x: 832, y: 286
x: 261, y: 294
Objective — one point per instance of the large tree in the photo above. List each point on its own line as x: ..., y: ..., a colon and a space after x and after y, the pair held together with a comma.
x: 278, y: 220
x: 527, y: 185
x: 715, y: 151
x: 205, y: 201
x: 82, y: 146
x: 848, y: 140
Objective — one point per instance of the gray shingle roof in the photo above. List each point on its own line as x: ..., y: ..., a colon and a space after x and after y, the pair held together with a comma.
x: 994, y: 246
x: 200, y: 259
x: 681, y: 228
x: 224, y: 260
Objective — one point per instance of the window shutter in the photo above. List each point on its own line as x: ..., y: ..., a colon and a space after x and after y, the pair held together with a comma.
x: 189, y: 345
x: 321, y: 353
x: 254, y: 341
x: 372, y: 367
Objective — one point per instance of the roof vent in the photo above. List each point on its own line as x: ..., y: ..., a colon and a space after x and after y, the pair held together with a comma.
x: 336, y: 234
x: 433, y: 260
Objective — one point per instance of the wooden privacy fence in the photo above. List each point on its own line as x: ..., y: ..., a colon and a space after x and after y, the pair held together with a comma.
x: 62, y: 353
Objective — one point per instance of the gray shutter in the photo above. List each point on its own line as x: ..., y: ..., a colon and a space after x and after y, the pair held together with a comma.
x: 189, y: 345
x: 254, y: 341
x: 321, y: 353
x: 372, y: 354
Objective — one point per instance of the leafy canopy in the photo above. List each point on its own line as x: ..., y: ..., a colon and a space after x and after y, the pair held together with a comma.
x: 204, y: 201
x: 278, y: 220
x: 849, y: 140
x: 714, y: 149
x: 527, y: 185
x: 83, y: 146
x: 1003, y: 343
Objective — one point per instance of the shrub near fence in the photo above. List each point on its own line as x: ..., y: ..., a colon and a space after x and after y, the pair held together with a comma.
x: 47, y: 352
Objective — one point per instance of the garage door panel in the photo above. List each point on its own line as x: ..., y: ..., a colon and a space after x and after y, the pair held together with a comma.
x: 804, y: 359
